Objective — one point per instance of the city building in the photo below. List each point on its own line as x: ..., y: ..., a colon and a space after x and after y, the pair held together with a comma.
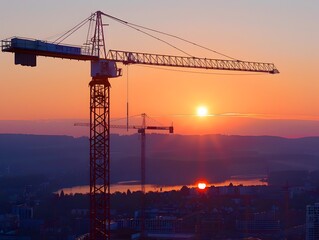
x: 312, y: 222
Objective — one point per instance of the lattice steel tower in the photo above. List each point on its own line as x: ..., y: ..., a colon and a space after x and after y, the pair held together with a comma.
x: 101, y: 71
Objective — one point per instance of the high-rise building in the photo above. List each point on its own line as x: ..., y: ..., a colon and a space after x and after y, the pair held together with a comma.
x: 312, y: 222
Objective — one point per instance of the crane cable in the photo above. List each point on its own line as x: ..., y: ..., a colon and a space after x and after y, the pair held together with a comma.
x: 139, y: 27
x: 136, y: 27
x: 154, y: 120
x: 69, y: 33
x: 124, y: 118
x: 185, y: 40
x: 127, y: 109
x: 89, y: 32
x: 148, y: 34
x: 72, y: 30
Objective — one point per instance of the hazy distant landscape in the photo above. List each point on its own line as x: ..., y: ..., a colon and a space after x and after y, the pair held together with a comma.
x: 64, y: 160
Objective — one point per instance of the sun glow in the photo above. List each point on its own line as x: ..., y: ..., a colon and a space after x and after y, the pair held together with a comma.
x: 201, y: 185
x: 202, y: 111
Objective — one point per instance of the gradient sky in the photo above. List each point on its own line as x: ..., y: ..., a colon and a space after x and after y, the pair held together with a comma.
x: 283, y: 32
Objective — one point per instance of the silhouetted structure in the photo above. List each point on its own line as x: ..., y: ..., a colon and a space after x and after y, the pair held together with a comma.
x: 103, y: 67
x: 312, y: 222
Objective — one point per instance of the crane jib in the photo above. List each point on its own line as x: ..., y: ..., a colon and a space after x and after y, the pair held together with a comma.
x: 26, y: 51
x: 189, y: 62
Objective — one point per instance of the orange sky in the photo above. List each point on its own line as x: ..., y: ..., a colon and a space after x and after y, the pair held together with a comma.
x: 284, y: 34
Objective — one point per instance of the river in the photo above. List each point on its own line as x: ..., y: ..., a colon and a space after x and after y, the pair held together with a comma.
x: 135, y: 186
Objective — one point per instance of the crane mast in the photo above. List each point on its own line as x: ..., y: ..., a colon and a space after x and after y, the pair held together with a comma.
x: 100, y: 221
x: 103, y: 67
x: 99, y: 159
x: 143, y: 177
x: 142, y: 130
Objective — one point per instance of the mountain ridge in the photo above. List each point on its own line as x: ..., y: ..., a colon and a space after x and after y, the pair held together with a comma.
x: 171, y: 159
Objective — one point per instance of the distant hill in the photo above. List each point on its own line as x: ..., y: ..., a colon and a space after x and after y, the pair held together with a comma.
x: 171, y: 159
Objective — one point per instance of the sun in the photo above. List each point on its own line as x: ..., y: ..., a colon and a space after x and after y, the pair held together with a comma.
x: 201, y: 185
x: 202, y: 111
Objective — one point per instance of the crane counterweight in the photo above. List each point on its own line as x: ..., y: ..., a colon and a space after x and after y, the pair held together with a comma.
x: 25, y: 48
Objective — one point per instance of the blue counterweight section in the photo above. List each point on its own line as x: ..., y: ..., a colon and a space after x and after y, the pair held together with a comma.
x: 44, y: 46
x: 26, y: 51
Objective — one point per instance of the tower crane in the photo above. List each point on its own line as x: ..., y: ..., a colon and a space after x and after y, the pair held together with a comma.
x: 103, y: 67
x: 142, y: 130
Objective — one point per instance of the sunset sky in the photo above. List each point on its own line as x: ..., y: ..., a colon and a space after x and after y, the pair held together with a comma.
x: 40, y: 99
